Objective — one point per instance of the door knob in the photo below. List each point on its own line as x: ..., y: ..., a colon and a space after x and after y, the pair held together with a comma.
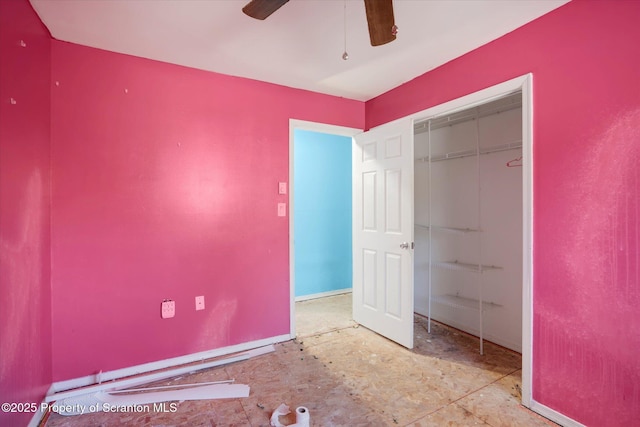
x: 404, y: 245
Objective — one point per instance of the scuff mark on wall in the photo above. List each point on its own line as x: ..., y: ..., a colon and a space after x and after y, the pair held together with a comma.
x: 588, y: 331
x: 21, y: 261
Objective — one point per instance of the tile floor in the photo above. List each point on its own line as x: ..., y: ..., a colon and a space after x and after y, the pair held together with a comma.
x: 349, y: 376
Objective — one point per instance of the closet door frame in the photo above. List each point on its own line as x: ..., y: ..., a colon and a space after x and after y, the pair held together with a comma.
x: 523, y: 84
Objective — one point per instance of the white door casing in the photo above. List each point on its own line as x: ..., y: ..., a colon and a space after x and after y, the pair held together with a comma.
x: 383, y: 230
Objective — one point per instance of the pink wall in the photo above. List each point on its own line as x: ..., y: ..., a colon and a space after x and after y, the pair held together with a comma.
x: 165, y: 185
x: 168, y: 190
x: 25, y: 292
x: 585, y: 60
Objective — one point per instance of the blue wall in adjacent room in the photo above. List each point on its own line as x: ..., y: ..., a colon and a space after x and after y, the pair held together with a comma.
x: 322, y: 212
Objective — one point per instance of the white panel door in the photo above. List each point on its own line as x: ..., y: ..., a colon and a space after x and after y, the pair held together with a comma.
x: 383, y: 231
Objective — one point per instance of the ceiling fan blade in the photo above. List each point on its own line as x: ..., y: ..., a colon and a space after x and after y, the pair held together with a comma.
x: 381, y: 21
x: 261, y: 9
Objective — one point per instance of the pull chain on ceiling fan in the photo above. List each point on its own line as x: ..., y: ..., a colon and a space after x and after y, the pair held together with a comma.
x: 345, y: 55
x: 380, y: 19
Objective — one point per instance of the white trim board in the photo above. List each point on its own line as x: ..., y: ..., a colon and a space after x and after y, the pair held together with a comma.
x: 88, y: 380
x: 105, y: 401
x: 527, y: 240
x: 315, y: 127
x: 38, y: 415
x: 158, y: 375
x: 324, y: 294
x: 553, y: 415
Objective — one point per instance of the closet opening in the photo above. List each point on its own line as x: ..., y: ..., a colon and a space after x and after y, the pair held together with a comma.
x: 468, y: 220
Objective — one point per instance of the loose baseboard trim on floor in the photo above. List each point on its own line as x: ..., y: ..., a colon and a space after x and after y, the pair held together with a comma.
x: 163, y: 364
x: 324, y: 294
x: 554, y: 415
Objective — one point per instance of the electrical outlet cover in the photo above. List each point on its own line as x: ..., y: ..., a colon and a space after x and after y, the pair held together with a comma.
x: 200, y: 303
x: 167, y: 309
x: 282, y: 209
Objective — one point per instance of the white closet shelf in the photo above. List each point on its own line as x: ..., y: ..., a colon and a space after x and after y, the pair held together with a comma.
x: 465, y: 266
x: 501, y: 105
x: 456, y: 230
x: 462, y: 302
x: 473, y: 152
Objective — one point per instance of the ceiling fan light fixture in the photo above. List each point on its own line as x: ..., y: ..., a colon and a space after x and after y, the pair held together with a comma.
x: 379, y: 17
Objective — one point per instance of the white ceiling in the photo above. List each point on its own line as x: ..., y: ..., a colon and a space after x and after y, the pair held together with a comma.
x: 300, y: 45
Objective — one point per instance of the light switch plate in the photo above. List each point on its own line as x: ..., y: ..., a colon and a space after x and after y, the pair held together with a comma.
x: 282, y: 188
x: 200, y: 303
x: 282, y: 209
x: 167, y: 309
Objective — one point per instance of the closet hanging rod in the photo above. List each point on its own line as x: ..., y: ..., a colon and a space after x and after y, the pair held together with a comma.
x: 467, y: 153
x: 498, y: 106
x: 457, y: 230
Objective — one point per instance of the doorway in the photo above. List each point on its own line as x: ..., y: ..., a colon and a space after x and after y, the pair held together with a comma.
x: 320, y: 212
x: 322, y: 209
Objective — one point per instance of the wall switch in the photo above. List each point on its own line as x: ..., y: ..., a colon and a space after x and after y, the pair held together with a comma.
x: 200, y: 303
x: 282, y: 209
x: 282, y: 188
x: 167, y: 309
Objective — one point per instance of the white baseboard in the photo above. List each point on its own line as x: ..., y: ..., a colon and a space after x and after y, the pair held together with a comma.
x: 37, y: 416
x: 40, y: 413
x: 553, y: 415
x: 163, y: 364
x: 324, y: 294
